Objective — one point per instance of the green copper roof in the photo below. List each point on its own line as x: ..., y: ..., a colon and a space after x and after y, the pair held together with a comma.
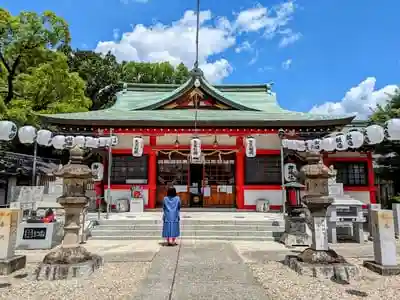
x: 138, y: 105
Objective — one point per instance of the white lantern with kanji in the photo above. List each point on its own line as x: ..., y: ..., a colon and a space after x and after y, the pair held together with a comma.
x: 251, y: 148
x: 44, y: 137
x: 137, y: 146
x: 195, y: 148
x: 8, y: 130
x: 355, y: 139
x: 114, y: 140
x: 69, y: 141
x: 97, y: 171
x: 340, y: 142
x: 290, y: 170
x: 27, y: 134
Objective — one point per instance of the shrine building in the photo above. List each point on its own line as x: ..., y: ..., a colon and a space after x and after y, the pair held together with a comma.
x: 167, y: 116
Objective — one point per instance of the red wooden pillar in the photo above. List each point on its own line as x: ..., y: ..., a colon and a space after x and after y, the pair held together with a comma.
x: 152, y: 173
x: 240, y: 173
x: 371, y: 179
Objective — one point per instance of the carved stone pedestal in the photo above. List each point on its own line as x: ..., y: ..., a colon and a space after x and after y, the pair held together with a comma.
x: 297, y: 232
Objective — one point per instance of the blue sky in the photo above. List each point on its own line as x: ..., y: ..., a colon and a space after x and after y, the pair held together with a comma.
x: 335, y: 44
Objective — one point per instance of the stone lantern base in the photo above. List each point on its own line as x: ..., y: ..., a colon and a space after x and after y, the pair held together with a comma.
x: 322, y: 264
x: 67, y: 263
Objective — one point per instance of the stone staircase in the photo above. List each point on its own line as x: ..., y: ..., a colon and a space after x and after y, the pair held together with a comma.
x: 239, y: 229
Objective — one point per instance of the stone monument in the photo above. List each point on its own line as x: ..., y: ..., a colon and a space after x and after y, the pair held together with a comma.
x: 385, y: 256
x: 319, y: 260
x: 371, y: 207
x: 71, y: 259
x: 9, y: 262
x: 396, y: 218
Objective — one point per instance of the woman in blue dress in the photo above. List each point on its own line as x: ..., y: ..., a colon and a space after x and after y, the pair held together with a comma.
x: 171, y: 217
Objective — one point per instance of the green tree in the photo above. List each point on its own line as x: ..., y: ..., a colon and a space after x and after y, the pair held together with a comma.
x: 103, y: 74
x: 389, y: 160
x: 47, y: 89
x: 25, y: 36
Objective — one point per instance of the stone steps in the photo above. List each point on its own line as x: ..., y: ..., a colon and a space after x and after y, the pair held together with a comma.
x: 185, y: 237
x: 220, y: 227
x: 228, y: 229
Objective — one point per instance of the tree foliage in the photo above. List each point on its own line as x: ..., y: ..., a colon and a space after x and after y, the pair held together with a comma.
x: 103, y: 74
x: 40, y: 73
x: 389, y: 160
x: 24, y: 37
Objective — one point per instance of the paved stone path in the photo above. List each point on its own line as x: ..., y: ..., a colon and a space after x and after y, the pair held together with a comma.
x: 199, y: 271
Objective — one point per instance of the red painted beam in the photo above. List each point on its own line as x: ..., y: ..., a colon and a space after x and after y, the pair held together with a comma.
x: 212, y: 131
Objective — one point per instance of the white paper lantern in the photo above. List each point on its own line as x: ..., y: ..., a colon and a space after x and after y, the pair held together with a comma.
x: 137, y: 147
x: 27, y: 134
x: 58, y: 142
x: 300, y: 146
x: 285, y: 143
x: 114, y: 140
x: 80, y: 141
x: 355, y: 139
x: 340, y: 142
x: 251, y: 147
x: 393, y: 129
x: 374, y: 134
x: 195, y: 148
x: 8, y: 130
x: 44, y: 137
x: 103, y: 142
x: 316, y: 145
x: 88, y: 142
x: 95, y: 143
x: 97, y: 171
x: 290, y: 170
x: 328, y: 144
x: 69, y: 141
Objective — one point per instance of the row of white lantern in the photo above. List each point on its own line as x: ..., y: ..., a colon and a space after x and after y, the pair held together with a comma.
x: 371, y: 135
x: 195, y: 147
x: 43, y: 137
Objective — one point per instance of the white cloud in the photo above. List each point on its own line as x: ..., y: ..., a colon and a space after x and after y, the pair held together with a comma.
x: 269, y: 20
x: 289, y: 37
x: 175, y: 42
x: 287, y: 64
x: 245, y: 46
x: 360, y: 100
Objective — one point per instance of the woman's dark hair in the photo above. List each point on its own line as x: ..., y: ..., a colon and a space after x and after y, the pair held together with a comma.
x: 171, y: 192
x: 49, y: 212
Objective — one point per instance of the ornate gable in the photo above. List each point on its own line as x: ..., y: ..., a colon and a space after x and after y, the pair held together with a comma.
x: 196, y: 98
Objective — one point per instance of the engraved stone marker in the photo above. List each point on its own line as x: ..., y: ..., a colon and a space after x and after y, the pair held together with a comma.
x: 371, y: 207
x: 9, y: 220
x: 385, y: 256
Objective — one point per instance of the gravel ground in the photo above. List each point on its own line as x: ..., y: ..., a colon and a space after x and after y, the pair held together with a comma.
x: 283, y: 283
x: 113, y: 281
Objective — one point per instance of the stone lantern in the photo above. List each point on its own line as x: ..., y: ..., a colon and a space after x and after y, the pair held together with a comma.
x: 319, y: 260
x: 70, y: 259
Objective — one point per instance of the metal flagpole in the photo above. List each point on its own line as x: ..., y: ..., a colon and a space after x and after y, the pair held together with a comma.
x: 34, y: 163
x: 109, y: 175
x: 281, y: 134
x: 196, y: 63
